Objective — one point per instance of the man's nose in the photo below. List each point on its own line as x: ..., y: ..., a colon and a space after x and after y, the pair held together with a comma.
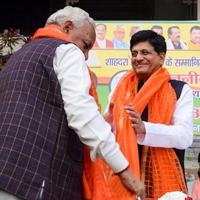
x: 139, y: 56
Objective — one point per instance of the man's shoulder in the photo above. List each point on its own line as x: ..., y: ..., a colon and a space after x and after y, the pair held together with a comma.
x: 177, y: 82
x: 177, y: 86
x: 50, y: 41
x: 109, y: 44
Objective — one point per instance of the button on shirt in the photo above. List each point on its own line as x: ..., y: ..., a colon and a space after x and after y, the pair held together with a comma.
x: 81, y: 110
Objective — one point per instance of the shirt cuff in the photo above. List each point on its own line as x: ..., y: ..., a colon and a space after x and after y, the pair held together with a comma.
x: 141, y: 138
x: 98, y: 136
x: 118, y: 162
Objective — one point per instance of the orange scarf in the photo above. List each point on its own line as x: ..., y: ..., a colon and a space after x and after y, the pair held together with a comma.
x: 54, y: 31
x: 51, y: 31
x: 160, y: 168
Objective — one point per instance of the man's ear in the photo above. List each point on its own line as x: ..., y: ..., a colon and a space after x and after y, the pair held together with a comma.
x: 68, y: 25
x: 162, y: 58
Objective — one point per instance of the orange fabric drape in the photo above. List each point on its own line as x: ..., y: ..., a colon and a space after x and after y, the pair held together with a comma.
x: 161, y: 169
x: 89, y: 168
x: 51, y: 31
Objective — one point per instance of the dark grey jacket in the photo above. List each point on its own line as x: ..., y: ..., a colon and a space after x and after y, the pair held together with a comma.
x: 40, y: 156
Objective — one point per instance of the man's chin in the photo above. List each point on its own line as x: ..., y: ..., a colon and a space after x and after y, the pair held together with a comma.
x: 141, y: 74
x: 140, y: 71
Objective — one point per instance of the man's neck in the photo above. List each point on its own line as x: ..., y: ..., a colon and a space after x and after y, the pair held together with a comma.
x: 176, y: 43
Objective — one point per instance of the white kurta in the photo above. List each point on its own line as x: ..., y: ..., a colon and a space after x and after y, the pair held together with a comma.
x: 81, y: 110
x: 179, y: 135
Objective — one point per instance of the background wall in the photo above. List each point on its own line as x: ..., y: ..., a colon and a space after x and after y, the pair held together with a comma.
x: 29, y: 15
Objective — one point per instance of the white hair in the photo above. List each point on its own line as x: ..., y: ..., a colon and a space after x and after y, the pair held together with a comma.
x: 74, y: 14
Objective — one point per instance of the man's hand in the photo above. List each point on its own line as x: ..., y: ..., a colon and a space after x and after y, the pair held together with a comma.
x: 132, y: 184
x: 136, y: 121
x: 108, y: 116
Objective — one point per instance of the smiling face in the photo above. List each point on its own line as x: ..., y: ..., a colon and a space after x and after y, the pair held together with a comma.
x: 195, y: 36
x: 145, y: 60
x: 101, y: 31
x: 83, y: 37
x: 120, y: 34
x: 175, y: 35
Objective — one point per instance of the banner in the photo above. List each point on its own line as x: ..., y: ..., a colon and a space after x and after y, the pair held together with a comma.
x: 110, y: 59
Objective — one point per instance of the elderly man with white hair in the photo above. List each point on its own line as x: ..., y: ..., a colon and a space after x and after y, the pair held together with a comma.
x: 48, y: 113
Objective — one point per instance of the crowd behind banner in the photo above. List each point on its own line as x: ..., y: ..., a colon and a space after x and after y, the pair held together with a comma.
x: 110, y: 58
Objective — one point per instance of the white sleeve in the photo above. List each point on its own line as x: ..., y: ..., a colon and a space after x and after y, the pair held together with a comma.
x: 178, y: 135
x: 81, y: 110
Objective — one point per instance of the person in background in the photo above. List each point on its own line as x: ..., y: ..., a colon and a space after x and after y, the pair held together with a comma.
x: 47, y: 114
x: 158, y: 29
x: 174, y: 41
x: 134, y: 29
x: 101, y: 41
x: 194, y: 43
x: 119, y: 36
x: 151, y: 108
x: 196, y: 186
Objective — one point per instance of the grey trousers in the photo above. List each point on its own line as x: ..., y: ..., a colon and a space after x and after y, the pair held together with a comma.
x: 7, y: 196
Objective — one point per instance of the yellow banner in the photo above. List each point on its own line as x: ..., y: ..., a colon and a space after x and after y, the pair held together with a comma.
x: 110, y: 56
